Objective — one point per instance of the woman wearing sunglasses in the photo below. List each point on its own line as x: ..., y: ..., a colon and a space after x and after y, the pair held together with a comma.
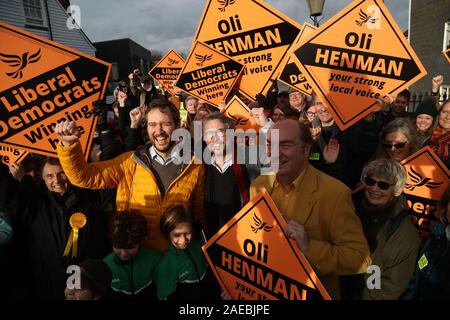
x: 398, y: 140
x: 440, y: 138
x: 392, y: 237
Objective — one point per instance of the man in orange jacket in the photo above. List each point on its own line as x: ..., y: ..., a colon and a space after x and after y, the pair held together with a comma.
x: 149, y: 179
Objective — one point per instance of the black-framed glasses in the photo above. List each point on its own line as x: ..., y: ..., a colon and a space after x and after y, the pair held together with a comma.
x: 383, y: 185
x: 400, y: 145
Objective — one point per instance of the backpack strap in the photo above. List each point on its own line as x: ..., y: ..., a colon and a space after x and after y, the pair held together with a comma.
x: 394, y: 224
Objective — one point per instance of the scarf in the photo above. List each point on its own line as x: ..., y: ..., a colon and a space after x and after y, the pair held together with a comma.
x: 440, y: 142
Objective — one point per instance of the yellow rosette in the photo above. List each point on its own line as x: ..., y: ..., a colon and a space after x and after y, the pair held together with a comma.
x: 77, y: 221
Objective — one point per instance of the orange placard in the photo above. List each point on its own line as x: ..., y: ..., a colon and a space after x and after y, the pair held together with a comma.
x: 291, y: 75
x: 253, y: 259
x: 427, y: 180
x: 356, y: 57
x: 237, y: 111
x: 43, y: 83
x: 209, y: 74
x: 9, y: 155
x: 253, y: 33
x: 167, y: 70
x: 447, y: 55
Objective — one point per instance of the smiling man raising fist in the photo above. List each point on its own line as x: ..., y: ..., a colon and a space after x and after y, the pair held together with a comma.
x: 148, y: 179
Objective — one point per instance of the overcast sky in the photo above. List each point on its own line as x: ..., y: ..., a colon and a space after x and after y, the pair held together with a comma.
x: 171, y: 24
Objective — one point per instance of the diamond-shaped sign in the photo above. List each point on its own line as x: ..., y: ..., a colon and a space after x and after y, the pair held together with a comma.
x: 43, y: 83
x: 9, y: 155
x: 291, y: 74
x: 253, y: 33
x: 359, y: 55
x: 209, y: 74
x: 253, y: 259
x: 427, y: 180
x: 447, y: 55
x: 167, y: 70
x: 237, y: 111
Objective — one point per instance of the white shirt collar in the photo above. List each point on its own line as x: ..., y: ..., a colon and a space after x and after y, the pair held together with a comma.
x: 155, y: 156
x: 228, y: 163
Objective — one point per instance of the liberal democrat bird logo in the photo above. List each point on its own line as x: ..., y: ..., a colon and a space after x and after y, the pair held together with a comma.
x: 19, y: 61
x: 365, y: 18
x: 420, y: 181
x: 259, y: 225
x: 225, y: 3
x: 237, y: 120
x: 202, y: 58
x: 172, y: 61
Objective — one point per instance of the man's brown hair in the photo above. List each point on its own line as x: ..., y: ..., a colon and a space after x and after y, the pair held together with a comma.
x: 167, y: 107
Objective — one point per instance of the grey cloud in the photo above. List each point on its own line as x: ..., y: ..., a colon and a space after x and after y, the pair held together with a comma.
x: 171, y: 24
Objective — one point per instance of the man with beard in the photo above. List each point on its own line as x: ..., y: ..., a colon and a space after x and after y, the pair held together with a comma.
x: 318, y: 208
x: 149, y: 179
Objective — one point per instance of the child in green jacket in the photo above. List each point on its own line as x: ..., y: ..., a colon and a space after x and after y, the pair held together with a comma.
x: 183, y: 273
x: 133, y: 265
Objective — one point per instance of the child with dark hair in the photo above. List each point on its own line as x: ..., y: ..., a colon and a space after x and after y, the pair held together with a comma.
x: 183, y: 273
x: 133, y: 265
x: 95, y: 280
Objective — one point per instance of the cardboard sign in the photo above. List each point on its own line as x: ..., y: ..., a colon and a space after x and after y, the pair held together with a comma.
x: 359, y: 55
x: 167, y: 70
x: 237, y: 111
x: 251, y: 32
x: 447, y: 55
x: 43, y: 83
x: 9, y: 155
x: 427, y: 180
x: 253, y: 259
x: 209, y: 74
x: 291, y: 75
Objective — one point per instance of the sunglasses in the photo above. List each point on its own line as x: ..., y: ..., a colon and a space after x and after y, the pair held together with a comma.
x: 383, y: 185
x: 400, y: 145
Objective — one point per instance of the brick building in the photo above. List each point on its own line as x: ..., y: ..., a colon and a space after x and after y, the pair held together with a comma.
x: 429, y: 34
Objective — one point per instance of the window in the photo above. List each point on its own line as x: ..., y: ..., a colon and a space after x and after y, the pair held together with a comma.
x: 446, y: 36
x: 34, y: 12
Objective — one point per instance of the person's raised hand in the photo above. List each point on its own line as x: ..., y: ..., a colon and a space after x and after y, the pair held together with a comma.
x: 17, y: 171
x: 331, y: 151
x: 67, y: 132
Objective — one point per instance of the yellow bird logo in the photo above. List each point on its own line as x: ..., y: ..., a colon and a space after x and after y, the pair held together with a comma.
x: 202, y: 59
x: 172, y: 61
x: 365, y: 18
x: 225, y: 3
x: 420, y: 181
x: 259, y: 225
x: 238, y: 120
x: 19, y: 61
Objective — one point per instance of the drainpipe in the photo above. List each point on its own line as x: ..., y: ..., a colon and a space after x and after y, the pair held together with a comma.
x: 48, y: 19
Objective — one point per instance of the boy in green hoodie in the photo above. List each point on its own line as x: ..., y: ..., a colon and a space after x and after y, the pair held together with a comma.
x: 133, y: 265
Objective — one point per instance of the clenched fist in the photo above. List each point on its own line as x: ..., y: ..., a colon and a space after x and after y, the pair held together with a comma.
x: 67, y: 132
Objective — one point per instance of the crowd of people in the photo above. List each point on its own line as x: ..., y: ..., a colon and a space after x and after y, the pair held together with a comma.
x: 134, y: 217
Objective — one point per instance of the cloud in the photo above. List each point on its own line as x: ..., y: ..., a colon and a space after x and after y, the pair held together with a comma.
x: 171, y: 24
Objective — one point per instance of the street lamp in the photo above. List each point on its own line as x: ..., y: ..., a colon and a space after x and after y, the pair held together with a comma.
x: 315, y: 10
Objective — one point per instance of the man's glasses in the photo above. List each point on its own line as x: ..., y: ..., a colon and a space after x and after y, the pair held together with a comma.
x: 400, y: 145
x: 383, y: 185
x: 216, y: 133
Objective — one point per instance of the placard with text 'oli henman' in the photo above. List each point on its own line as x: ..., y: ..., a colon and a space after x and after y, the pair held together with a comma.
x: 253, y: 259
x: 357, y: 56
x: 251, y: 32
